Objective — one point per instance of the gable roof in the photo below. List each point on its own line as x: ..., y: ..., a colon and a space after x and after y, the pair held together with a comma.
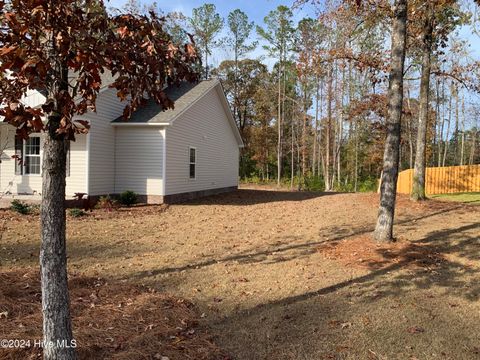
x: 184, y: 96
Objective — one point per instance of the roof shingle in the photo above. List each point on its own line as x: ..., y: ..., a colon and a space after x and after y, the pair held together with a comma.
x: 182, y: 95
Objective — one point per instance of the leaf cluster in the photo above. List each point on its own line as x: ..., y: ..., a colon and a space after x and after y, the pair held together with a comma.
x: 66, y: 49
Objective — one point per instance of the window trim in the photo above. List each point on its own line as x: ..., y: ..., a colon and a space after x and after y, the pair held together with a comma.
x: 39, y: 156
x: 190, y: 163
x: 24, y: 157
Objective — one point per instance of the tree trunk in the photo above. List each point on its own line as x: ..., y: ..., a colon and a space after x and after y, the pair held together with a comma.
x: 279, y: 125
x: 340, y: 129
x: 315, y: 136
x: 462, y: 149
x: 449, y: 121
x: 356, y: 156
x: 206, y: 63
x: 388, y: 191
x: 235, y: 82
x: 304, y: 139
x: 329, y: 126
x: 408, y: 123
x: 457, y: 119
x: 418, y: 188
x: 441, y: 126
x: 292, y: 160
x: 57, y: 328
x: 473, y: 147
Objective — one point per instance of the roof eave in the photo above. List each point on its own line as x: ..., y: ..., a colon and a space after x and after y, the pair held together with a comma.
x: 126, y: 123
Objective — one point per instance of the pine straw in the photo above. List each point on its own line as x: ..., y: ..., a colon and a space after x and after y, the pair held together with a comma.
x: 364, y: 252
x: 110, y: 320
x: 136, y: 211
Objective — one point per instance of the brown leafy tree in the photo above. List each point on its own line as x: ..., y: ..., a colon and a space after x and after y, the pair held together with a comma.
x: 61, y: 48
x: 241, y: 80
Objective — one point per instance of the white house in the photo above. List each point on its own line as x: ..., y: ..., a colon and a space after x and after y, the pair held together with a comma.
x: 164, y: 156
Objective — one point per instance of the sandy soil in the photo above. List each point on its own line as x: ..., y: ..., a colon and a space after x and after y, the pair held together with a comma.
x: 287, y: 275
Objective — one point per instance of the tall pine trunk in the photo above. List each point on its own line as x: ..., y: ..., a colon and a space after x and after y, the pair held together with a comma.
x: 418, y: 189
x: 388, y: 191
x: 328, y: 186
x: 304, y: 136
x: 449, y: 121
x: 279, y: 124
x: 315, y: 135
x: 206, y: 62
x: 462, y: 149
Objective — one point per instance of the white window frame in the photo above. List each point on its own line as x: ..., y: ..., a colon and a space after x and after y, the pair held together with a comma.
x: 194, y: 163
x: 24, y: 156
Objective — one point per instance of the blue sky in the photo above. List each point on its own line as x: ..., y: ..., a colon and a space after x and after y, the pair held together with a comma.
x: 255, y: 9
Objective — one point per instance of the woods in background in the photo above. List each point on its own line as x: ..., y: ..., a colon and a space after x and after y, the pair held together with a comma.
x: 314, y: 115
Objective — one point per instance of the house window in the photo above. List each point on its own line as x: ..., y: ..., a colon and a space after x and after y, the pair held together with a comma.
x: 32, y: 155
x: 27, y: 156
x: 193, y: 162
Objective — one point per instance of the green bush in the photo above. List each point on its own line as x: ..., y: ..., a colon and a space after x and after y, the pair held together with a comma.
x: 313, y: 183
x: 107, y: 203
x: 344, y: 187
x: 363, y: 185
x: 20, y: 207
x: 128, y: 198
x: 368, y: 185
x: 75, y: 212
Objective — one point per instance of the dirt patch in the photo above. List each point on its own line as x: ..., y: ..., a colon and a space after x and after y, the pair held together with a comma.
x: 112, y: 320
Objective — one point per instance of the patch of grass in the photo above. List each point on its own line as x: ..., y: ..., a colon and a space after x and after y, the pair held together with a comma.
x: 467, y: 198
x: 75, y: 212
x: 20, y: 207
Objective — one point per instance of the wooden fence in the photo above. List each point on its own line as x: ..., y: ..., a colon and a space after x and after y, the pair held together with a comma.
x: 443, y: 180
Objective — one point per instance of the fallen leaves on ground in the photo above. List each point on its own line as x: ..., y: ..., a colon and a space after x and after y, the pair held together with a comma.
x: 110, y: 320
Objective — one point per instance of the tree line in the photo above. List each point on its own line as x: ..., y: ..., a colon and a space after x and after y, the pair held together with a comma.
x: 316, y: 118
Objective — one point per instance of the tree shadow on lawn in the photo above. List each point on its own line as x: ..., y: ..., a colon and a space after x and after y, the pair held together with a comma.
x: 243, y: 197
x: 445, y: 258
x: 287, y: 248
x: 412, y: 292
x: 27, y: 253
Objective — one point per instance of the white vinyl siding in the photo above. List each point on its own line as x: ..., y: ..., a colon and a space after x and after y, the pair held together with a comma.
x: 203, y: 126
x: 139, y: 160
x: 76, y: 181
x: 101, y: 170
x: 32, y: 183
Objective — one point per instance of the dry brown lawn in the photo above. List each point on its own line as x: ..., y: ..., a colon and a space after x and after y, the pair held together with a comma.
x: 273, y: 275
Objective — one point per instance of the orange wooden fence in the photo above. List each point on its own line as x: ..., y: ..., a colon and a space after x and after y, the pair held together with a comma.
x: 443, y: 180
